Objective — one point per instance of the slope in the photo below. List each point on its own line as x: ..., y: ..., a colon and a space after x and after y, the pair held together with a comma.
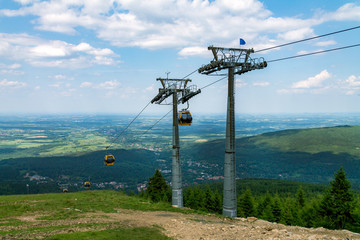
x: 109, y: 215
x: 310, y: 155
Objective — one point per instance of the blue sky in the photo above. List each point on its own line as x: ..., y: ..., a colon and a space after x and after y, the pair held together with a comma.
x: 103, y: 56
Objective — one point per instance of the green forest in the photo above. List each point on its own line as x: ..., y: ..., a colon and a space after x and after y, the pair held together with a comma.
x: 333, y: 206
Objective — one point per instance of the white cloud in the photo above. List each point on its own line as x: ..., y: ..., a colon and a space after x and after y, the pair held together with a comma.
x: 261, y: 84
x: 56, y: 85
x: 68, y: 93
x: 312, y: 82
x: 109, y: 85
x: 149, y: 89
x: 10, y: 69
x: 240, y: 83
x: 86, y: 85
x: 312, y: 85
x: 11, y: 84
x: 11, y: 72
x: 348, y: 12
x: 353, y: 81
x: 297, y: 34
x: 351, y: 85
x: 184, y: 24
x: 49, y: 53
x: 195, y: 51
x: 325, y: 43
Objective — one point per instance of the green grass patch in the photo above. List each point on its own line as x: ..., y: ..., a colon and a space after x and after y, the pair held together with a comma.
x: 119, y: 233
x: 72, y: 205
x: 44, y: 229
x: 342, y: 139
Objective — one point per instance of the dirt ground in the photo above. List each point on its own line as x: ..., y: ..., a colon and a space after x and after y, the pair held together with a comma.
x: 179, y: 226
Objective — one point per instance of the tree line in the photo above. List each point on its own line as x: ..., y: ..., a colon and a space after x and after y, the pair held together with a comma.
x: 337, y: 207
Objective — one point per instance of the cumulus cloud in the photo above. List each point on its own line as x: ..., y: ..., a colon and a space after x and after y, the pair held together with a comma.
x: 109, y: 85
x: 348, y: 12
x: 353, y: 81
x: 297, y: 34
x: 240, y: 83
x: 86, y: 84
x: 326, y: 43
x: 312, y: 82
x: 10, y: 69
x: 163, y: 24
x: 11, y: 84
x: 53, y: 53
x: 261, y: 84
x: 351, y: 85
x: 184, y: 24
x: 194, y: 51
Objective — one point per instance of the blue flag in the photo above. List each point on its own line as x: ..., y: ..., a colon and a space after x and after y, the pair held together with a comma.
x: 242, y: 41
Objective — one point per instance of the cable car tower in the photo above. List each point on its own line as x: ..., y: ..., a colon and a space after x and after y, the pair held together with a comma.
x: 237, y: 61
x: 176, y: 87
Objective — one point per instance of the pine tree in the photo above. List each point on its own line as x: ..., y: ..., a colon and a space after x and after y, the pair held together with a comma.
x: 300, y: 197
x: 264, y: 204
x: 246, y: 204
x: 276, y: 209
x: 337, y: 204
x: 157, y: 188
x: 209, y: 202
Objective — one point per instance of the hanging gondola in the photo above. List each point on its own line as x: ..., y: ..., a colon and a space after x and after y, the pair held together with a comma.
x: 87, y: 185
x: 109, y: 159
x: 184, y: 118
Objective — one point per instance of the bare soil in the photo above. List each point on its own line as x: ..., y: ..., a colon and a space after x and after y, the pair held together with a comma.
x: 177, y: 226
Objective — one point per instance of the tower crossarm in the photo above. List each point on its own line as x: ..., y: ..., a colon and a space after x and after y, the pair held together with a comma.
x: 236, y: 58
x: 170, y: 86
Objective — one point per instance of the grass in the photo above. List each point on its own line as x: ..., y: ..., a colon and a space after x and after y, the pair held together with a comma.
x: 70, y: 205
x: 119, y: 233
x: 336, y: 140
x: 49, y: 210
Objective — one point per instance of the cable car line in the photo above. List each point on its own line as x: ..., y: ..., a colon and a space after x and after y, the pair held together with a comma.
x: 214, y: 82
x: 156, y: 123
x: 127, y: 126
x: 190, y: 73
x: 307, y: 39
x: 313, y: 53
x: 274, y: 60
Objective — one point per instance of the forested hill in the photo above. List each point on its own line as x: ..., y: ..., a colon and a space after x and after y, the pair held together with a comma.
x: 306, y: 155
x: 310, y: 155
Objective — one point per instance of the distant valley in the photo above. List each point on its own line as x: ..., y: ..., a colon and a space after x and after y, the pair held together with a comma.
x: 307, y: 155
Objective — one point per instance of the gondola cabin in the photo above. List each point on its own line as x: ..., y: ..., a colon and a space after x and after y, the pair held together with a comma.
x: 65, y: 190
x: 87, y: 185
x: 109, y: 159
x: 184, y: 118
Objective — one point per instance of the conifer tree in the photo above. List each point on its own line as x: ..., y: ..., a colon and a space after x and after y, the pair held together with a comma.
x: 300, y: 197
x: 246, y: 204
x: 264, y: 204
x: 157, y: 188
x: 337, y: 204
x: 276, y: 209
x: 209, y: 202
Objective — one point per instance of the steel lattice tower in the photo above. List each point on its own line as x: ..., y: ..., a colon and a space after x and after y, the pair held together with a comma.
x: 175, y: 87
x: 237, y: 61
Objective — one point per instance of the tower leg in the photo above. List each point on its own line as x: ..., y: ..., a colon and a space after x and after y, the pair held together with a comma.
x: 229, y: 200
x: 177, y: 196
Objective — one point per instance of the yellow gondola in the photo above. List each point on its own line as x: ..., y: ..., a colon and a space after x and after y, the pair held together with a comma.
x: 87, y: 185
x: 109, y: 159
x: 65, y: 190
x: 184, y: 118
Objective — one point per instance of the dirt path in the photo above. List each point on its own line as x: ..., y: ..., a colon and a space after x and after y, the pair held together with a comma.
x: 180, y: 226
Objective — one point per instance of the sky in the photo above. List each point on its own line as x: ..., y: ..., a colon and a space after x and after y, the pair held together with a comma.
x: 104, y: 56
